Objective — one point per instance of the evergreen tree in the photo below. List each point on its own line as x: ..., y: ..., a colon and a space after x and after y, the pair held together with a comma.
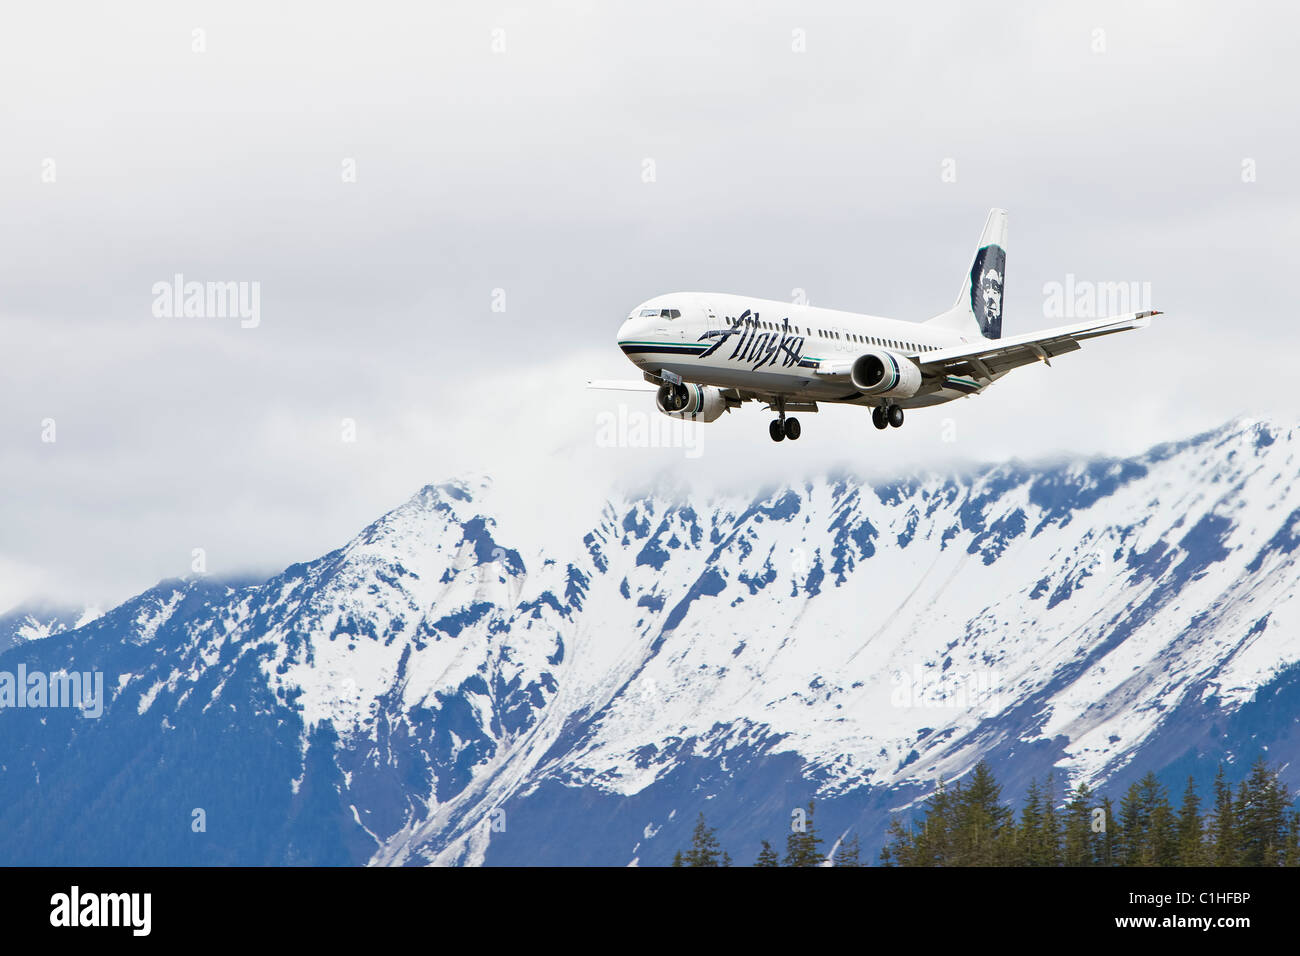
x: 704, y: 849
x: 1191, y: 846
x: 1029, y: 835
x: 677, y: 858
x: 1291, y: 855
x: 1134, y: 825
x: 1224, y: 829
x: 899, y: 848
x: 1147, y: 834
x: 801, y: 849
x: 982, y: 823
x: 1261, y: 816
x: 1106, y: 842
x: 1163, y: 848
x: 1051, y: 841
x: 933, y: 841
x: 847, y: 852
x: 1079, y: 838
x: 767, y: 856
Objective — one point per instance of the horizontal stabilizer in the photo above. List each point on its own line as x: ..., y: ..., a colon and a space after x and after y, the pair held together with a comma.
x: 622, y: 385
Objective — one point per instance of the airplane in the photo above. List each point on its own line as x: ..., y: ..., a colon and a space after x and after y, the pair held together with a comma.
x: 707, y: 353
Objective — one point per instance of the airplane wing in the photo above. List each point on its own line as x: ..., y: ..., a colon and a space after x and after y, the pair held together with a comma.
x: 992, y: 357
x: 732, y: 395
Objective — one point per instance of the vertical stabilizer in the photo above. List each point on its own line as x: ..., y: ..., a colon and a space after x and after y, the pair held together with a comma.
x: 978, y: 309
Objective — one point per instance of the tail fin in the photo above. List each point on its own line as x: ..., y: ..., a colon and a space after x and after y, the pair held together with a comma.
x: 979, y: 307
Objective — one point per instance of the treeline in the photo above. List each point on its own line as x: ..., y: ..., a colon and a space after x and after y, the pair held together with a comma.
x: 968, y: 824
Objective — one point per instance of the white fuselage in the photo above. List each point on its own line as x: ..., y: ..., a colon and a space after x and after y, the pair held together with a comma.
x: 775, y: 348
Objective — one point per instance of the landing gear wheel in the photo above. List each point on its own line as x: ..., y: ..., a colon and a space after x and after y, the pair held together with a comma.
x: 895, y: 416
x: 792, y: 429
x: 878, y: 417
x: 776, y: 430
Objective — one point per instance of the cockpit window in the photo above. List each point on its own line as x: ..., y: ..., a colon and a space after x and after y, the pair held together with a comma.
x: 646, y: 313
x: 670, y: 313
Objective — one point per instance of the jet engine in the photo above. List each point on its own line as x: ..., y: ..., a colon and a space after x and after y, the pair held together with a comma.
x: 697, y: 403
x: 885, y: 373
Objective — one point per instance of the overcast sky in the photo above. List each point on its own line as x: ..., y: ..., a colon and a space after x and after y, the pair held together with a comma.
x: 381, y: 170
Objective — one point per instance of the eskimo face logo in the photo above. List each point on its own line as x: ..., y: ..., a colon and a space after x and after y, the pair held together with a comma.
x: 987, y: 276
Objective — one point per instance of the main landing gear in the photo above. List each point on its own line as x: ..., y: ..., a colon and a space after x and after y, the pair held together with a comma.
x: 781, y: 428
x: 882, y: 416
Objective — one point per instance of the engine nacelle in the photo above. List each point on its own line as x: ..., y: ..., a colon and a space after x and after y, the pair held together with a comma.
x: 697, y: 403
x: 885, y: 373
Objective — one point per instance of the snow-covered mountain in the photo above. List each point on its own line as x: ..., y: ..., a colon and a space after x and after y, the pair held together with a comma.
x: 34, y: 622
x: 439, y: 691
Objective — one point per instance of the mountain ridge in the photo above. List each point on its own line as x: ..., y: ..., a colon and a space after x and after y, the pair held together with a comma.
x: 433, y: 679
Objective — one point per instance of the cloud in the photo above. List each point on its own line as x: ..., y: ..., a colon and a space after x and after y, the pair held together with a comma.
x: 518, y: 176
